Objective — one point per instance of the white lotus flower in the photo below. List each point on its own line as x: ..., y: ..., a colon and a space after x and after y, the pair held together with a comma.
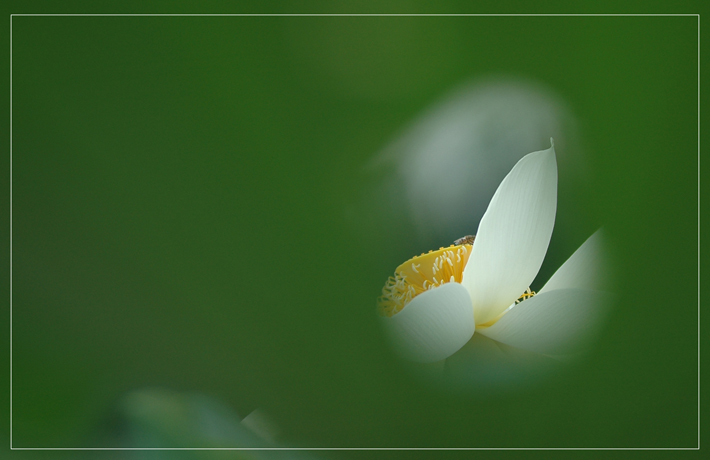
x: 438, y: 300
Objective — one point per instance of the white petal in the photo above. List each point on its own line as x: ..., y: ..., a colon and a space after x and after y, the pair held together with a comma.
x: 559, y: 322
x: 434, y: 325
x: 585, y: 269
x: 513, y: 235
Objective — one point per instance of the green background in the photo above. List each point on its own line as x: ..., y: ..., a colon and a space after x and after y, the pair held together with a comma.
x: 180, y: 194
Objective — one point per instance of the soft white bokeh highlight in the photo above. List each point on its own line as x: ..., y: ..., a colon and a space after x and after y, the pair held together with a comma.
x: 448, y: 162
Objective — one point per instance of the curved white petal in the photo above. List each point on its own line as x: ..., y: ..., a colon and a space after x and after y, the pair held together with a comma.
x: 559, y: 322
x: 434, y: 325
x: 513, y: 235
x: 585, y: 269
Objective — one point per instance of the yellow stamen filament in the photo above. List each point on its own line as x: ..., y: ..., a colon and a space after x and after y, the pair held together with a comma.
x: 526, y: 295
x: 422, y: 273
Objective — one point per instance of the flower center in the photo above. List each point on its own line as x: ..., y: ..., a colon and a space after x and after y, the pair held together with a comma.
x: 524, y: 296
x: 422, y: 273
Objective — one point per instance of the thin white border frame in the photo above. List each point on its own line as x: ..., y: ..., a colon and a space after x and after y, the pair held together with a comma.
x: 355, y: 15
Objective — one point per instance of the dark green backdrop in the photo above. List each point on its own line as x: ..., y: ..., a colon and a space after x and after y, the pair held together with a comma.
x: 180, y: 188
